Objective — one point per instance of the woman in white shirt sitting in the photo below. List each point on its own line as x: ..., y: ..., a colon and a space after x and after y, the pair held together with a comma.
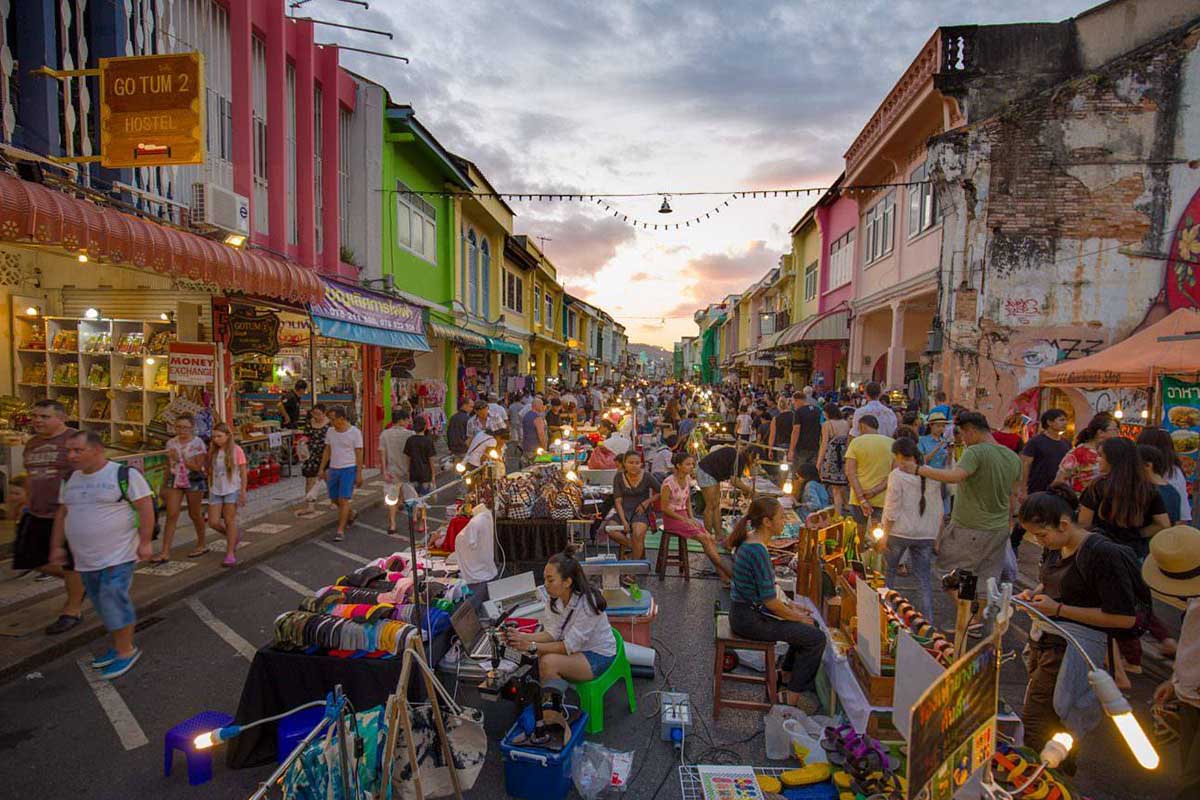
x: 577, y: 642
x: 912, y: 517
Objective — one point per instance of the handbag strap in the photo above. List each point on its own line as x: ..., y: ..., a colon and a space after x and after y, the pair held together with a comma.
x: 451, y: 703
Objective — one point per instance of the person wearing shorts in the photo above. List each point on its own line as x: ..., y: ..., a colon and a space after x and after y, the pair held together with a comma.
x: 109, y: 528
x: 48, y: 466
x: 341, y: 466
x: 227, y: 477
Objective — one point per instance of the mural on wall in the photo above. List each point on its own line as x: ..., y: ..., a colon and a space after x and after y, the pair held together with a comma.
x: 1183, y: 268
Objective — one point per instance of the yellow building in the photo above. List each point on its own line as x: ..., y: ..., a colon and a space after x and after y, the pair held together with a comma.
x: 546, y: 305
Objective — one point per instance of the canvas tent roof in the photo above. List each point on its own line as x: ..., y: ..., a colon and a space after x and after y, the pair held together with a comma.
x: 1170, y: 346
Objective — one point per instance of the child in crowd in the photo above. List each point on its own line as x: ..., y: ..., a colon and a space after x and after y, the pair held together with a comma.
x: 912, y: 517
x: 227, y: 487
x: 18, y: 496
x: 1156, y: 469
x: 812, y: 494
x: 659, y: 461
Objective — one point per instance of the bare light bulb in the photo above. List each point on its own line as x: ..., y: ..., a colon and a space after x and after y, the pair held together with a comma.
x: 203, y: 741
x: 877, y: 533
x: 540, y: 451
x: 493, y: 454
x: 460, y: 468
x: 32, y: 311
x: 1145, y: 413
x: 572, y: 475
x: 1136, y: 739
x: 787, y: 487
x: 150, y: 360
x: 1119, y: 414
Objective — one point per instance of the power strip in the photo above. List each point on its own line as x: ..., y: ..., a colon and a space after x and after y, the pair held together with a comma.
x: 676, y: 715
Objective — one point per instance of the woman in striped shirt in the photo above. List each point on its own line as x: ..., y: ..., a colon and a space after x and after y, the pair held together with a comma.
x: 759, y: 613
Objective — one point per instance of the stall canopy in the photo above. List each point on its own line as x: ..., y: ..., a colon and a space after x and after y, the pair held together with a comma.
x: 832, y: 326
x: 34, y: 214
x: 453, y: 333
x: 356, y: 315
x: 1170, y: 346
x: 501, y: 346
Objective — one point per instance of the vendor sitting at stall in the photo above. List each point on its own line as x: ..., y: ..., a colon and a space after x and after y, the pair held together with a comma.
x: 677, y: 511
x: 635, y: 493
x: 760, y: 614
x: 726, y: 463
x: 577, y: 641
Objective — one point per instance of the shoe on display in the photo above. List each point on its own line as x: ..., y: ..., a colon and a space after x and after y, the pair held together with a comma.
x: 63, y: 624
x: 121, y: 665
x: 104, y: 659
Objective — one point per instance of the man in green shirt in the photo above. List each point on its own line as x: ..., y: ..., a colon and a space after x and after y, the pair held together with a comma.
x: 987, y: 475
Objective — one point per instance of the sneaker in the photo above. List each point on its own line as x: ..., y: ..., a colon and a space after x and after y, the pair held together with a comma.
x: 120, y: 666
x: 339, y: 536
x: 104, y: 659
x: 63, y: 624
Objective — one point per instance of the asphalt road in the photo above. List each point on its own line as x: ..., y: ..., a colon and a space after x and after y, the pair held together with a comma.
x: 62, y: 736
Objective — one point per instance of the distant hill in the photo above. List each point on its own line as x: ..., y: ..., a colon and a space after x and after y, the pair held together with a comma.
x: 652, y: 351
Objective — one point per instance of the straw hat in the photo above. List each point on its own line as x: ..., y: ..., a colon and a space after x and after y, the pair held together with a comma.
x: 936, y: 416
x: 1173, y: 566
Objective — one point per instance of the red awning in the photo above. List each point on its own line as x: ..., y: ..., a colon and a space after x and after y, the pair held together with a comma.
x: 32, y: 213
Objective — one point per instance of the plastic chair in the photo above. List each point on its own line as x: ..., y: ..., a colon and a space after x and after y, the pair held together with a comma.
x: 591, y: 693
x: 182, y: 736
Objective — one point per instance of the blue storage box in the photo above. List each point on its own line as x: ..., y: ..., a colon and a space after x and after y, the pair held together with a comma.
x: 533, y: 773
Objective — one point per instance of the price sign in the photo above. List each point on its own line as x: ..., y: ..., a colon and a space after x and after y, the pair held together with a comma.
x: 152, y: 110
x: 275, y: 439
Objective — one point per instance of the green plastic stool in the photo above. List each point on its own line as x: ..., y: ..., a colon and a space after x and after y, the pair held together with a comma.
x: 591, y: 693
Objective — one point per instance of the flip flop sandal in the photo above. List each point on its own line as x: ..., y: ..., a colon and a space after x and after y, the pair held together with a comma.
x: 199, y: 552
x: 159, y: 560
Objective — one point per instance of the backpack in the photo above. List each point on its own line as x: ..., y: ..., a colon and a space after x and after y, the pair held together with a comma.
x: 123, y: 485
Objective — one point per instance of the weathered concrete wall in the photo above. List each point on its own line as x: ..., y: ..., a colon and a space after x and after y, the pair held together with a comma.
x: 1062, y: 207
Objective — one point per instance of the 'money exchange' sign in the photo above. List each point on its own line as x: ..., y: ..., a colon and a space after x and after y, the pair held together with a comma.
x: 152, y: 110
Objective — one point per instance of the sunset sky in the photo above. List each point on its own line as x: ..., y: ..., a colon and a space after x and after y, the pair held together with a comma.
x: 563, y: 96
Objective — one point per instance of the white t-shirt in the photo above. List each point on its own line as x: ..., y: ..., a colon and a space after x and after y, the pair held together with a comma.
x: 578, y: 627
x: 101, y: 528
x: 342, y: 445
x: 222, y: 483
x: 903, y: 506
x: 480, y: 445
x: 392, y: 442
x: 745, y: 425
x: 883, y: 414
x: 475, y: 549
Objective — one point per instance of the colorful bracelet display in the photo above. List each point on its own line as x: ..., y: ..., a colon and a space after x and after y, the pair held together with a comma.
x: 902, y: 613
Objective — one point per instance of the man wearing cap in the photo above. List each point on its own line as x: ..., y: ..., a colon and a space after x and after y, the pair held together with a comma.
x: 1173, y: 568
x: 935, y: 450
x: 479, y: 419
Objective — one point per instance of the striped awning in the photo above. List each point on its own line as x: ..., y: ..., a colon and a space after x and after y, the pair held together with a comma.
x: 831, y: 327
x: 453, y: 333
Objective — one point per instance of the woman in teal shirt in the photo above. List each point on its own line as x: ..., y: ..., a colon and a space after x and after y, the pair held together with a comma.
x: 760, y: 614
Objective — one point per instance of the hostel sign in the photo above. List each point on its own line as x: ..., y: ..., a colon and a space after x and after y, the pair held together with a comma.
x: 152, y: 110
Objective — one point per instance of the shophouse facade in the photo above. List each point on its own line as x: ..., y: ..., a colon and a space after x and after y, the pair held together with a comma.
x: 899, y: 227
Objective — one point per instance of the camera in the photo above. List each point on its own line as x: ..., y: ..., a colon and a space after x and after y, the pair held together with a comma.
x: 962, y: 581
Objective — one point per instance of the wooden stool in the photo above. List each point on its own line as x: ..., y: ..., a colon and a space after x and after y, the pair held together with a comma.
x: 726, y: 640
x: 680, y: 559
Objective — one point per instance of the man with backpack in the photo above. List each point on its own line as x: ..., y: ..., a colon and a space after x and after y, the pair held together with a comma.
x: 106, y: 514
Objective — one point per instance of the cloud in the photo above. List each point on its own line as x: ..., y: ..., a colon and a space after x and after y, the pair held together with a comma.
x: 715, y: 275
x: 581, y: 245
x: 641, y: 277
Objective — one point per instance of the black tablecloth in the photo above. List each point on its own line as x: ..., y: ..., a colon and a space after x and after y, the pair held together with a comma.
x: 279, y: 680
x: 531, y: 541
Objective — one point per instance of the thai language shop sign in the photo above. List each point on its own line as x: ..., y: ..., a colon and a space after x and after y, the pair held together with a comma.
x: 344, y: 303
x: 1181, y: 417
x: 152, y: 110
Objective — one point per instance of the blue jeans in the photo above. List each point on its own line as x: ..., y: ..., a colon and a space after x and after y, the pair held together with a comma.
x: 108, y: 589
x: 920, y: 553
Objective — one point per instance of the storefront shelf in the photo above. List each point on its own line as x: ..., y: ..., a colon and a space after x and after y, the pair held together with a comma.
x: 129, y: 355
x: 64, y: 352
x: 65, y: 385
x: 38, y: 350
x: 26, y: 383
x: 130, y: 389
x: 91, y: 419
x: 159, y: 391
x: 95, y: 388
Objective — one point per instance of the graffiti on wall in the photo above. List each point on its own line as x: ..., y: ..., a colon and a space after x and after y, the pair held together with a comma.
x: 1038, y: 353
x: 1182, y: 276
x: 1022, y: 310
x: 1130, y: 401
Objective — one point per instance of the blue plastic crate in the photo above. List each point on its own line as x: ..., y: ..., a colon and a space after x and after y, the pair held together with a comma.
x: 534, y: 773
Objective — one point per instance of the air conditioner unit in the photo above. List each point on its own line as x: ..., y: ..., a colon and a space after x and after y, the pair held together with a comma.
x: 217, y: 208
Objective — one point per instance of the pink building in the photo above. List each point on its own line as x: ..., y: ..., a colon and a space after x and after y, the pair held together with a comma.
x: 837, y: 218
x: 898, y: 239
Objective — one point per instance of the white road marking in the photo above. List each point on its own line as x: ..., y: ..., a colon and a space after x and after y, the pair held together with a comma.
x: 128, y: 731
x: 371, y: 528
x: 343, y: 553
x: 268, y: 527
x: 285, y: 580
x: 231, y: 637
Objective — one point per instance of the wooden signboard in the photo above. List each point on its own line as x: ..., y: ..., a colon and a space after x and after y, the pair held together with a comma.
x: 152, y: 110
x: 253, y: 331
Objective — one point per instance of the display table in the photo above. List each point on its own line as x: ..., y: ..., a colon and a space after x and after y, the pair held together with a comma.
x: 261, y: 443
x: 280, y: 680
x: 531, y: 540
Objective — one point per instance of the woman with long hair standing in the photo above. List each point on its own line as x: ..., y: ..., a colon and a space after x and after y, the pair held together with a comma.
x: 1161, y: 440
x: 1081, y: 465
x: 831, y: 455
x: 1122, y: 503
x: 227, y: 487
x: 314, y: 429
x: 761, y: 615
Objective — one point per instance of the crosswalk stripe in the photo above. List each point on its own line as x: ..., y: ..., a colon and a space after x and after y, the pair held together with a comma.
x: 231, y: 637
x: 128, y: 730
x: 371, y: 528
x: 343, y: 553
x: 285, y: 580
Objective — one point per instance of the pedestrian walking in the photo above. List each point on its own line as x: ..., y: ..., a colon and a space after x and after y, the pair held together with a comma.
x: 912, y: 517
x: 1040, y: 459
x: 868, y: 463
x: 884, y: 415
x: 419, y: 451
x: 311, y: 450
x: 227, y: 487
x: 457, y: 437
x: 987, y: 474
x: 1161, y: 440
x: 805, y: 440
x: 392, y: 459
x: 187, y: 480
x: 106, y: 517
x: 47, y: 464
x: 831, y: 455
x: 1081, y: 465
x: 341, y: 467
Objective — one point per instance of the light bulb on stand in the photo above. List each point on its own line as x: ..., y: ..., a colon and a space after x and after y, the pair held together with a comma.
x: 460, y: 468
x: 877, y: 533
x: 1145, y: 413
x: 1119, y: 414
x: 1055, y: 751
x: 1117, y: 707
x: 787, y: 487
x: 493, y: 453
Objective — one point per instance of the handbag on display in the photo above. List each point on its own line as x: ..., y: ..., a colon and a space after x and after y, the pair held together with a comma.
x: 317, y: 773
x: 430, y: 775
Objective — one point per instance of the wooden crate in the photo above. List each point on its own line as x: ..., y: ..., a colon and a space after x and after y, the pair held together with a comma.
x: 878, y: 688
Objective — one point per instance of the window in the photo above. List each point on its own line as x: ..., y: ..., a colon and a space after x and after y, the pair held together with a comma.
x: 473, y: 271
x: 810, y: 281
x: 537, y: 304
x: 485, y: 266
x: 514, y: 293
x: 878, y: 227
x: 572, y: 325
x: 416, y: 224
x: 293, y: 225
x: 841, y: 260
x: 258, y: 74
x: 549, y: 312
x: 923, y: 211
x: 344, y: 151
